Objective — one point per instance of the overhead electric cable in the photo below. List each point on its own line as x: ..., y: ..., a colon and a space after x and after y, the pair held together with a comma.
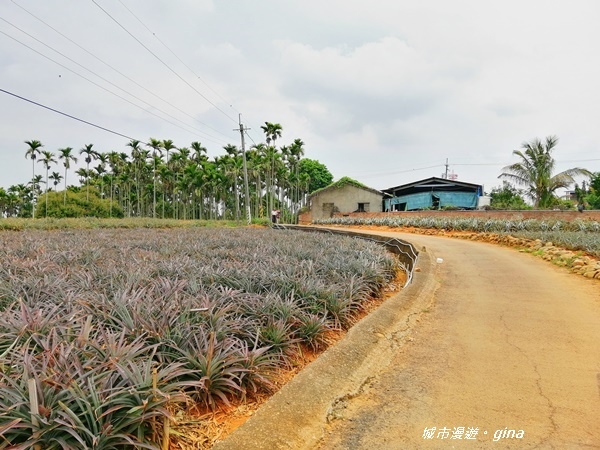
x: 477, y: 164
x: 119, y: 72
x: 177, y: 57
x: 376, y: 174
x: 249, y: 137
x: 577, y: 160
x: 102, y: 87
x: 111, y: 83
x: 163, y: 63
x: 70, y: 116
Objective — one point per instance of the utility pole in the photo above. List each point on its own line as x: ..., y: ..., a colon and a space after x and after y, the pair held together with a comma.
x: 246, y: 189
x: 446, y: 176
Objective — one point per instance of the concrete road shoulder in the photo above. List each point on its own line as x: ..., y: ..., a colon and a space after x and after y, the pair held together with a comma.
x: 297, y: 415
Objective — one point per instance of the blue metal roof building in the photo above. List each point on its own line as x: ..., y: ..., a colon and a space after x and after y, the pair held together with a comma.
x: 432, y: 193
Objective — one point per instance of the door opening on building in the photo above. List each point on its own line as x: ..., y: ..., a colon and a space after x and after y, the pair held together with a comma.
x: 328, y: 209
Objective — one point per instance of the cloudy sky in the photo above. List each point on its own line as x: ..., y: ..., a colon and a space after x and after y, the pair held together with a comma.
x: 382, y: 91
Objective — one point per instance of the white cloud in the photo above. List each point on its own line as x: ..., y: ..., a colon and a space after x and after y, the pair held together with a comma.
x: 375, y: 89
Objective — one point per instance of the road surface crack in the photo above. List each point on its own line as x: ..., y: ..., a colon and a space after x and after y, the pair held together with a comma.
x: 538, y: 383
x: 336, y: 411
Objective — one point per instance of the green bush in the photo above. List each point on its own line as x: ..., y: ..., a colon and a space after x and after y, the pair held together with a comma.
x: 77, y: 204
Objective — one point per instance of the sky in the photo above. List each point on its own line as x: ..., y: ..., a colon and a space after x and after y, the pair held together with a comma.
x: 384, y: 91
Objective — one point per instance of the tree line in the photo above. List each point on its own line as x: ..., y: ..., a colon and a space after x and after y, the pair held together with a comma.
x: 161, y: 180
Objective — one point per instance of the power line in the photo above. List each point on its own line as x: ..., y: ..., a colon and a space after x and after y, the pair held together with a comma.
x: 119, y: 72
x: 579, y: 160
x: 479, y: 164
x: 96, y: 84
x: 176, y: 56
x: 377, y: 174
x: 102, y: 78
x: 70, y: 116
x: 249, y: 137
x: 163, y: 63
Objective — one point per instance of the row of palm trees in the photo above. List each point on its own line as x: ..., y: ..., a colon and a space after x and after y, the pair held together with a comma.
x: 159, y: 179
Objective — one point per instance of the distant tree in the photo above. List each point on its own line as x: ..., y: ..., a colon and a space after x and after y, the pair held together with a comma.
x: 535, y: 172
x: 317, y: 174
x: 156, y: 147
x: 507, y: 197
x: 66, y: 154
x: 592, y: 196
x: 32, y: 152
x: 90, y: 155
x: 272, y: 133
x: 46, y: 160
x: 56, y: 178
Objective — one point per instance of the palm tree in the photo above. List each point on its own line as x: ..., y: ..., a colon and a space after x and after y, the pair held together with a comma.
x: 256, y: 166
x: 199, y: 152
x: 35, y: 188
x: 9, y: 202
x: 68, y: 156
x: 232, y: 164
x: 135, y: 156
x: 100, y: 171
x: 168, y: 145
x: 83, y: 175
x: 89, y: 156
x: 156, y: 146
x: 535, y: 171
x: 103, y: 159
x: 46, y: 160
x: 3, y: 202
x: 19, y: 196
x: 55, y: 177
x: 296, y: 154
x: 32, y: 152
x: 178, y: 162
x: 272, y: 132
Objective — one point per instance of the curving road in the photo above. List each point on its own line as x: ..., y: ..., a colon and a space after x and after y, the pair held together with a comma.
x: 490, y: 348
x: 509, y: 342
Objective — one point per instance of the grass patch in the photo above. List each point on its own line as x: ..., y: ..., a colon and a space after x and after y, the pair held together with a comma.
x: 91, y: 223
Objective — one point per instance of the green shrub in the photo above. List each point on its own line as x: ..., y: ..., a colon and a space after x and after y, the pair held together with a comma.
x: 77, y: 204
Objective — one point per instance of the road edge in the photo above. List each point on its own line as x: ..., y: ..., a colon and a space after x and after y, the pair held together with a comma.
x: 297, y: 415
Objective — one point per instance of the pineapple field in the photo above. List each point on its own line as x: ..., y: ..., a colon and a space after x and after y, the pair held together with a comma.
x: 106, y: 333
x: 578, y: 235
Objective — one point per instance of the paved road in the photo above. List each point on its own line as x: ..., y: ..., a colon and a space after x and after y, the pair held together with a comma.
x: 510, y: 342
x: 494, y: 348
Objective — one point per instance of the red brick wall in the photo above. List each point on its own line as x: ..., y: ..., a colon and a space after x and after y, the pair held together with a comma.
x: 514, y: 215
x: 305, y: 218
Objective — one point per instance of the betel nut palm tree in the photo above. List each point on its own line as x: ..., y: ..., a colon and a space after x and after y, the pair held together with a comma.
x: 156, y: 147
x: 66, y: 154
x: 47, y: 159
x: 535, y: 171
x: 90, y: 155
x: 272, y: 133
x: 32, y: 152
